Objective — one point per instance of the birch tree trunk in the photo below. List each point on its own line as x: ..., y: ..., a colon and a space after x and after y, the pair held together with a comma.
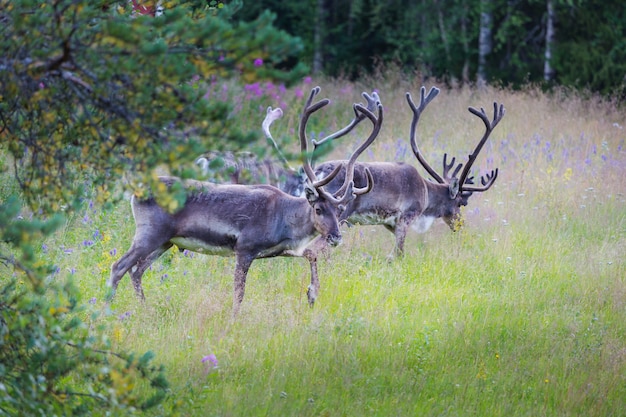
x: 548, y: 71
x: 485, y: 44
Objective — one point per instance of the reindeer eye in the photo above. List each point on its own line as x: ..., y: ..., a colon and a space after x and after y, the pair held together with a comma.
x: 318, y: 211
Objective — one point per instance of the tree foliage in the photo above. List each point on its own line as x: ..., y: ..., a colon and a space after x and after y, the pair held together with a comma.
x: 92, y: 92
x: 440, y: 38
x: 87, y: 91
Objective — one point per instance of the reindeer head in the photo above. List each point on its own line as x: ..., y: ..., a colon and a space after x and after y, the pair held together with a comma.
x: 448, y: 205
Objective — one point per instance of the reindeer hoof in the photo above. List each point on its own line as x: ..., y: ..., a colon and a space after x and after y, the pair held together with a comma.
x: 311, y: 294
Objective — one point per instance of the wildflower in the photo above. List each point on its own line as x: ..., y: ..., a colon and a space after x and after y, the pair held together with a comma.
x: 97, y: 235
x: 210, y: 360
x: 113, y: 252
x: 255, y: 88
x: 258, y: 62
x: 124, y: 316
x: 44, y: 248
x: 92, y: 300
x: 307, y: 80
x: 299, y: 93
x: 87, y: 243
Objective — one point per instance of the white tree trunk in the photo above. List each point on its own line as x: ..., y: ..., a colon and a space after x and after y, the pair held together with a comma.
x: 548, y: 71
x: 484, y: 41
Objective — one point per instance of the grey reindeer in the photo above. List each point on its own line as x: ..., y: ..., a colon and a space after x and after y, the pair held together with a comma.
x: 402, y: 197
x: 247, y: 168
x: 246, y: 221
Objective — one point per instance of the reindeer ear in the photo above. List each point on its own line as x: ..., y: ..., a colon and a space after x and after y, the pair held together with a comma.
x: 311, y: 193
x: 453, y: 187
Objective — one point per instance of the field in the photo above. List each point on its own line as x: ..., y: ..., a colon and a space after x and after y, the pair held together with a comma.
x: 520, y: 313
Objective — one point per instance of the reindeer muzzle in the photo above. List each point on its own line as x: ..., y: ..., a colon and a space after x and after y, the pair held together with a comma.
x: 333, y: 240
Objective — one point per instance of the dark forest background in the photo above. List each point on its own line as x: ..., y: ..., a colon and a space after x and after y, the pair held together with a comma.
x: 577, y: 43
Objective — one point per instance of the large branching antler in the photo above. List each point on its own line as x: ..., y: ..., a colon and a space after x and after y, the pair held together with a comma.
x: 347, y: 191
x: 417, y: 112
x: 270, y: 116
x: 372, y: 105
x: 488, y: 180
x: 377, y: 123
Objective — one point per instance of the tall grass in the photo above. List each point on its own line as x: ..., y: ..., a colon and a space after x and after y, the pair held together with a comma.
x: 521, y: 313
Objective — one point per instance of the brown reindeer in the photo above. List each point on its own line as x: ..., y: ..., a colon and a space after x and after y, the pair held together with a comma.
x: 402, y: 197
x: 247, y: 168
x: 246, y: 221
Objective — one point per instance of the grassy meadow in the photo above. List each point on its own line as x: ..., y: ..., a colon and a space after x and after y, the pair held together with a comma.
x: 521, y: 313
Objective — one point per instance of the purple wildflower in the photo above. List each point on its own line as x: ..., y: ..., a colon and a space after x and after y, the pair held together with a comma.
x: 307, y: 80
x: 113, y: 252
x: 211, y: 360
x: 44, y: 248
x: 87, y: 243
x: 255, y: 89
x: 258, y: 62
x: 124, y: 316
x: 92, y: 300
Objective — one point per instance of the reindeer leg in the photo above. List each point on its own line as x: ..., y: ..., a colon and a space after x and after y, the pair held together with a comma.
x: 133, y: 260
x: 242, y: 264
x: 310, y: 253
x: 120, y: 267
x: 136, y: 272
x: 399, y: 231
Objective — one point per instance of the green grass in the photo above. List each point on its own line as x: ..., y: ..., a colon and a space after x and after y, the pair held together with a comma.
x: 521, y: 313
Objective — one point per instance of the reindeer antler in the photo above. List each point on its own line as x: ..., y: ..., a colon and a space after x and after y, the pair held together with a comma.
x: 498, y: 114
x: 417, y: 112
x: 270, y: 116
x: 372, y: 105
x: 347, y: 190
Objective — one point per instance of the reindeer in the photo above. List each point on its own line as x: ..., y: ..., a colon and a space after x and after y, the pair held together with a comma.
x: 246, y: 221
x: 246, y: 168
x: 402, y: 197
